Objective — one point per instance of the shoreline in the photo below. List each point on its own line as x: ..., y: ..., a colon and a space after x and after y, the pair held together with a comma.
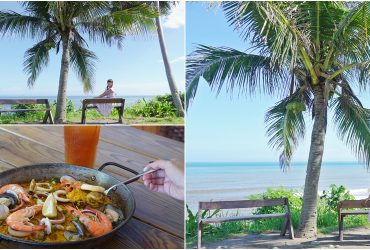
x: 236, y: 181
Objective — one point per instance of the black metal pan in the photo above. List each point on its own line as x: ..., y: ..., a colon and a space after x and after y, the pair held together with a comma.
x: 122, y: 195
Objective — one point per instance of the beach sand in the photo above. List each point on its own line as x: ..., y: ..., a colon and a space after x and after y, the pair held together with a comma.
x: 353, y: 239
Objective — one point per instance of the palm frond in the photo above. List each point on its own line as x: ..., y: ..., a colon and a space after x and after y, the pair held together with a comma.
x: 118, y: 23
x: 13, y: 23
x: 36, y: 58
x: 232, y: 69
x: 83, y: 62
x: 285, y: 126
x: 353, y: 124
x: 352, y: 33
x: 268, y: 29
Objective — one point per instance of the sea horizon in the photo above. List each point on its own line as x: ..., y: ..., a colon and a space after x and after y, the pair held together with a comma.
x: 208, y: 181
x: 76, y: 99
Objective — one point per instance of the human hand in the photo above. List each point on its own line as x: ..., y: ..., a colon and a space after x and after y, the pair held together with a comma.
x: 168, y: 179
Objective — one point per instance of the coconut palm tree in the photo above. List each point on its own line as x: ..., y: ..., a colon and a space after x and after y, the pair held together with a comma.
x: 164, y: 7
x: 64, y: 27
x: 311, y: 53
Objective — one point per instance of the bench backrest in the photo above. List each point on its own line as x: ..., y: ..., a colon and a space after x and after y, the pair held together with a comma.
x: 353, y: 204
x: 103, y: 100
x: 24, y: 101
x: 242, y: 204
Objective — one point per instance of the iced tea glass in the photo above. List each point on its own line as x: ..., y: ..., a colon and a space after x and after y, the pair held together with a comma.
x: 80, y: 144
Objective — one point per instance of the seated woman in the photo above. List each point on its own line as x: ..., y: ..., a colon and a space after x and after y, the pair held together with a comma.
x: 106, y: 108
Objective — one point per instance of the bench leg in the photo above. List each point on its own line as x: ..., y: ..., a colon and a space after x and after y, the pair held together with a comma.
x: 83, y: 116
x: 120, y: 114
x: 46, y: 116
x: 200, y: 229
x: 51, y: 120
x: 290, y: 228
x: 341, y: 226
x: 285, y: 226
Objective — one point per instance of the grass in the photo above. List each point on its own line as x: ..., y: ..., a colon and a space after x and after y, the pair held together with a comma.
x: 160, y: 110
x: 92, y: 117
x: 327, y: 216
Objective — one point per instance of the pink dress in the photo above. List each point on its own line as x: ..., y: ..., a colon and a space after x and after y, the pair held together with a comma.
x: 106, y: 108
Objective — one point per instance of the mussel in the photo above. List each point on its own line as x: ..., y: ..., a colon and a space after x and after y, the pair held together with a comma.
x: 4, y: 212
x: 9, y: 199
x: 114, y: 214
x: 74, y: 236
x: 95, y: 199
x: 70, y: 236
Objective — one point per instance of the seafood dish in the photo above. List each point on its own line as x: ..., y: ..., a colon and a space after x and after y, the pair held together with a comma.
x: 57, y: 210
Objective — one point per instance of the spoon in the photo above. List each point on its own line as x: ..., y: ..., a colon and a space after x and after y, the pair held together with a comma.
x: 130, y: 180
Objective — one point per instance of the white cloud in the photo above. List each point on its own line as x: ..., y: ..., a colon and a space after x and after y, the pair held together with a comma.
x: 176, y: 18
x: 177, y: 59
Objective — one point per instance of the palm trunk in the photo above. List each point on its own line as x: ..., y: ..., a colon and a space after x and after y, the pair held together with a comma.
x: 308, y: 221
x: 60, y: 115
x: 171, y: 81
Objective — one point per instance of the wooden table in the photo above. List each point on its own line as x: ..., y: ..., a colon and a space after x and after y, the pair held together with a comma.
x: 158, y: 221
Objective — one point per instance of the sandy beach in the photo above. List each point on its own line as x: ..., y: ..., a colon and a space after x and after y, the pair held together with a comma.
x: 234, y: 181
x: 358, y: 238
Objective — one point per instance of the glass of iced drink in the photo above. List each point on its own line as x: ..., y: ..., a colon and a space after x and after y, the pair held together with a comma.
x: 80, y: 144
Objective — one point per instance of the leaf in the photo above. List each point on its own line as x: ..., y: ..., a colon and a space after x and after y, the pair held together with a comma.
x: 285, y: 126
x: 232, y: 69
x: 352, y: 121
x: 36, y: 58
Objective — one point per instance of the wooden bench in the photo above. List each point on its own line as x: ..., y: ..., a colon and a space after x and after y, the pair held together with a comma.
x: 213, y: 205
x: 91, y: 104
x: 343, y: 211
x: 47, y: 116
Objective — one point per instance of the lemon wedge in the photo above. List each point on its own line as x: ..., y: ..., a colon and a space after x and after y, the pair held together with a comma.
x: 49, y: 209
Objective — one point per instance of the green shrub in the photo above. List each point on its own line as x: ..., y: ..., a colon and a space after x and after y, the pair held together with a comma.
x: 159, y: 107
x: 168, y: 98
x: 192, y: 221
x: 335, y: 195
x: 327, y: 219
x: 28, y: 114
x: 70, y: 108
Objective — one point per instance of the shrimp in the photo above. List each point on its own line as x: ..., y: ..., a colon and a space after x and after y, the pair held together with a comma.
x: 69, y: 186
x: 20, y: 221
x: 18, y: 189
x: 98, y: 227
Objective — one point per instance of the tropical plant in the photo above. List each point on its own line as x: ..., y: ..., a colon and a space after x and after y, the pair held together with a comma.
x: 311, y: 53
x: 64, y: 26
x: 159, y: 106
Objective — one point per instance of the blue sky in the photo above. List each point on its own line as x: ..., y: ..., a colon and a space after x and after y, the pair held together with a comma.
x: 219, y: 128
x: 137, y: 69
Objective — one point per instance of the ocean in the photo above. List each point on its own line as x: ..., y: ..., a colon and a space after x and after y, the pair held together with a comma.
x: 233, y: 181
x: 130, y: 100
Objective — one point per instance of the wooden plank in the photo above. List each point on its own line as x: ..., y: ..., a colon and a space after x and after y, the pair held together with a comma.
x: 152, y: 129
x: 355, y: 212
x: 154, y: 146
x: 241, y: 204
x: 103, y: 100
x: 153, y: 208
x: 24, y: 101
x: 23, y: 110
x: 134, y: 234
x: 140, y: 235
x: 354, y: 204
x: 123, y: 137
x: 245, y: 217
